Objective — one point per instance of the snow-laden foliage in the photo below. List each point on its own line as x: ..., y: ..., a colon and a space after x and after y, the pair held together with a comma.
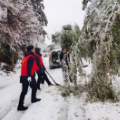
x: 93, y: 4
x: 19, y: 23
x: 38, y: 8
x: 98, y: 43
x: 66, y: 36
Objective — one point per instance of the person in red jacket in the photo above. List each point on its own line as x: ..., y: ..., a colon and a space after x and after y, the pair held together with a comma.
x: 40, y: 69
x: 27, y: 78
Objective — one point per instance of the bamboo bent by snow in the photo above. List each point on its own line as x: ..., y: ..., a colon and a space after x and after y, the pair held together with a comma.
x: 82, y: 30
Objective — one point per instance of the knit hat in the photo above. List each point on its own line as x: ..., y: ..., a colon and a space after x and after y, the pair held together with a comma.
x: 29, y: 48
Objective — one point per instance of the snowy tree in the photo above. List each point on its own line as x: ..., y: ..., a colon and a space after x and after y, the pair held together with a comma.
x: 98, y: 43
x: 66, y: 36
x: 56, y: 38
x: 38, y: 8
x: 85, y: 2
x: 19, y: 23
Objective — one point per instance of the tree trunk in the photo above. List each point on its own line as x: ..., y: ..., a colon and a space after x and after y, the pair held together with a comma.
x: 12, y: 61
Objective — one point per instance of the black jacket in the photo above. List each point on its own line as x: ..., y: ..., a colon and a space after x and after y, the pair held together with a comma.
x: 62, y: 57
x: 29, y: 66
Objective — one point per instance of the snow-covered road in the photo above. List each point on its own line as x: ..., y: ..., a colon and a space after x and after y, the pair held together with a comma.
x: 10, y: 89
x: 52, y: 106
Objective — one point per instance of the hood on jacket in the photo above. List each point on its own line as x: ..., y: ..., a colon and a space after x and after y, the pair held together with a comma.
x: 37, y: 50
x: 28, y: 53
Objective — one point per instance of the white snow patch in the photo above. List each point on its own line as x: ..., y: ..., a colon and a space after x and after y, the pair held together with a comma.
x: 52, y: 106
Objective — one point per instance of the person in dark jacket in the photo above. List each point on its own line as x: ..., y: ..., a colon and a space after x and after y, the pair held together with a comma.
x: 67, y: 59
x: 62, y: 55
x: 41, y: 69
x: 28, y: 68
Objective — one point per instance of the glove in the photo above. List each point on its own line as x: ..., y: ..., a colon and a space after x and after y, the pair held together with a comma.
x: 29, y: 79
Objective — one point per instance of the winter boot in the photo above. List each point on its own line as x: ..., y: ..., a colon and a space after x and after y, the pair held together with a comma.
x: 42, y: 80
x: 36, y: 100
x: 22, y: 108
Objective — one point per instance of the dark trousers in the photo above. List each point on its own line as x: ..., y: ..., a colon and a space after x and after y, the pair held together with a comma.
x: 41, y: 78
x: 25, y: 86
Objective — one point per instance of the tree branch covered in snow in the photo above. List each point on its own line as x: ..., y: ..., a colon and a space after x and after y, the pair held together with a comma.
x: 18, y: 23
x: 97, y: 43
x: 38, y: 8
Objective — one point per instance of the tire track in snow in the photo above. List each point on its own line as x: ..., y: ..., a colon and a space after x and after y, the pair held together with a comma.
x: 64, y: 110
x: 73, y: 109
x: 4, y: 86
x: 10, y: 96
x: 12, y: 108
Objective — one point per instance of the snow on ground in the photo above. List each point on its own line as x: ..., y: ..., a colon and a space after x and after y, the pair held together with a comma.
x: 100, y: 111
x: 9, y: 91
x: 52, y: 106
